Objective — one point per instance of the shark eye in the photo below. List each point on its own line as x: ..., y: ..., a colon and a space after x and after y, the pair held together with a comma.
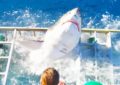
x: 76, y: 16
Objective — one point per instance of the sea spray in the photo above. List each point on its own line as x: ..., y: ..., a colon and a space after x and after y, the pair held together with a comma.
x: 106, y: 21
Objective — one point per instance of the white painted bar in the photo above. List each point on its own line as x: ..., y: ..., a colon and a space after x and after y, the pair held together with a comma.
x: 5, y: 42
x: 2, y: 73
x: 45, y: 29
x: 9, y: 58
x: 3, y: 57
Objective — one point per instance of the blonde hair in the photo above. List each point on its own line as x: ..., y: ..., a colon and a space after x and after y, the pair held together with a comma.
x: 50, y: 77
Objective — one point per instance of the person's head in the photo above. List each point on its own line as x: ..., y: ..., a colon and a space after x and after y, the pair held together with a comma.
x: 49, y: 77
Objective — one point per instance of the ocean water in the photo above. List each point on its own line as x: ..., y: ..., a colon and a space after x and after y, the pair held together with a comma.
x: 44, y: 13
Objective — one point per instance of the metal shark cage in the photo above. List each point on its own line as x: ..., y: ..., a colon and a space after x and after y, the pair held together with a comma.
x: 15, y: 31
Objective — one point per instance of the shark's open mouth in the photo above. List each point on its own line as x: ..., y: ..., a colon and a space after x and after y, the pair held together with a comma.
x: 74, y: 22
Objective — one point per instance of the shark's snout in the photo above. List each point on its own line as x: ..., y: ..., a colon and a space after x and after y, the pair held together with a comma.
x: 77, y: 10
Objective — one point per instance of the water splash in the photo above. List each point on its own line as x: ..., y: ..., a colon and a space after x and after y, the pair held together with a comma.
x: 26, y: 18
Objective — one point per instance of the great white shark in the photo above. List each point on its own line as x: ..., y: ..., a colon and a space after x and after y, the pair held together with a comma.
x: 62, y: 38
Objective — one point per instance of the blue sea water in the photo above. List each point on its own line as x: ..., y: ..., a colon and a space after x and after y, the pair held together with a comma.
x: 44, y: 13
